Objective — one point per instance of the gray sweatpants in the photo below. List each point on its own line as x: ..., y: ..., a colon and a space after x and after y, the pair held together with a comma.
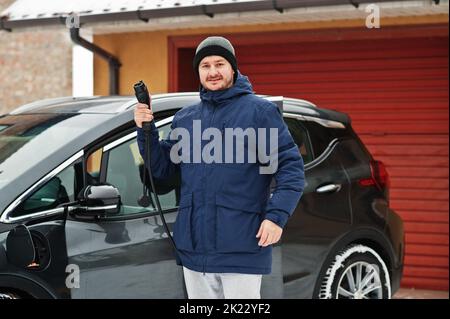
x: 221, y: 285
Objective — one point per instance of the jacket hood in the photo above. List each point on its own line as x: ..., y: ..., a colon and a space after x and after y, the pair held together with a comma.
x: 241, y: 86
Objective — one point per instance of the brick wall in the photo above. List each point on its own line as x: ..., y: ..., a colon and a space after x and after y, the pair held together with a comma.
x: 34, y: 64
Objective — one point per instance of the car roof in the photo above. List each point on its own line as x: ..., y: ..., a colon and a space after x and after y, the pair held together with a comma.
x: 160, y: 102
x: 103, y: 114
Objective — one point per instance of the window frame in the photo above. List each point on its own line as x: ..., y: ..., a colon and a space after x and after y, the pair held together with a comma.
x: 110, y: 145
x: 307, y: 142
x: 7, y: 219
x: 317, y: 158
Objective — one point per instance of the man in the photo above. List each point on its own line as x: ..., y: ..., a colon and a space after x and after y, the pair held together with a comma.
x: 228, y: 219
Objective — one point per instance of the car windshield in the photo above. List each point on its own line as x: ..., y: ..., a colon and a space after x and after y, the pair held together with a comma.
x: 28, y: 139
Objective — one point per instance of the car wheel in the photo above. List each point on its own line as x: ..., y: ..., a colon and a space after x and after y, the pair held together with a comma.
x: 357, y: 272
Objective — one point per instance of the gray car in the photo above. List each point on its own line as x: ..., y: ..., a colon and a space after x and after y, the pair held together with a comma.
x: 60, y: 237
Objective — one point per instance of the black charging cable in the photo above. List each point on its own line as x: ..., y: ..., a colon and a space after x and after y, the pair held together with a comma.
x: 143, y: 97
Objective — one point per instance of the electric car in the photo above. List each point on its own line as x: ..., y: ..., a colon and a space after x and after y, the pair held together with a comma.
x: 71, y: 227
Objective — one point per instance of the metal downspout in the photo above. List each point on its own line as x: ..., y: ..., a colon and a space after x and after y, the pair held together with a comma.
x: 113, y: 62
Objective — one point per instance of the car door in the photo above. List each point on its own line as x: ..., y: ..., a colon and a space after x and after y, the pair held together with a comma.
x: 323, y: 212
x: 128, y: 255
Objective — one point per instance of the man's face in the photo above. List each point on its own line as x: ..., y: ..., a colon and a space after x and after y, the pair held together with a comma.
x: 215, y: 73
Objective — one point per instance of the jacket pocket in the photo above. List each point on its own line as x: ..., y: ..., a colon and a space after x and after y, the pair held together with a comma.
x: 182, y: 232
x: 237, y: 222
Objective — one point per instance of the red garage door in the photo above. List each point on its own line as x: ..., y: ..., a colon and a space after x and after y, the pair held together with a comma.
x: 393, y: 82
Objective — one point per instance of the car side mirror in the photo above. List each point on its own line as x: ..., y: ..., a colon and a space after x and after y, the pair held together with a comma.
x: 99, y: 201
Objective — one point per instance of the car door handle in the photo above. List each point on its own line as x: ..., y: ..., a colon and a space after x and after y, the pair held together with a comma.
x: 330, y: 188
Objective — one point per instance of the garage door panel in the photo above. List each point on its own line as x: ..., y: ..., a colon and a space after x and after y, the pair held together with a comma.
x: 404, y: 78
x: 432, y: 127
x: 431, y: 239
x: 418, y: 171
x: 419, y: 183
x: 366, y: 90
x: 348, y: 49
x: 418, y: 205
x: 429, y: 194
x: 403, y: 106
x: 332, y: 96
x: 426, y: 227
x: 424, y: 161
x: 405, y: 150
x: 421, y: 260
x: 318, y: 57
x: 428, y: 250
x: 434, y: 274
x: 353, y: 51
x: 415, y: 63
x: 438, y: 217
x: 425, y: 283
x: 413, y: 115
x: 373, y: 139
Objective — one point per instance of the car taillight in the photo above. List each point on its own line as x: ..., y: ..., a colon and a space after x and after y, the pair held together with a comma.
x: 379, y: 176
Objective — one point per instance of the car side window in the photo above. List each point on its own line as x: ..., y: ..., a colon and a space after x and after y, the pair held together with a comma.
x: 93, y: 167
x: 125, y: 171
x: 58, y: 190
x: 320, y: 137
x: 3, y: 127
x: 301, y: 138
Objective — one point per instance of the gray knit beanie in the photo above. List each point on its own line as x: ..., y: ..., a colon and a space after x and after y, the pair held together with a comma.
x: 216, y: 46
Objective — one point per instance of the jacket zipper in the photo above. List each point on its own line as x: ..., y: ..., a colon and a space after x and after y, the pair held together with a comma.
x: 205, y: 202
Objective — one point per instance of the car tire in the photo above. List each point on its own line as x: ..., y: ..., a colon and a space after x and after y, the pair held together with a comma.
x: 357, y: 272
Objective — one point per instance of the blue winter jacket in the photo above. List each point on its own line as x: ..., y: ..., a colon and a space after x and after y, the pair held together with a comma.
x: 222, y: 204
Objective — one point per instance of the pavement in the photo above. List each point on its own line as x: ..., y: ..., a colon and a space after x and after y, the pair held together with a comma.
x: 411, y: 293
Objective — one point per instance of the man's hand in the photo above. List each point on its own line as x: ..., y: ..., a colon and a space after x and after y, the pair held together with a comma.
x: 142, y: 114
x: 269, y: 233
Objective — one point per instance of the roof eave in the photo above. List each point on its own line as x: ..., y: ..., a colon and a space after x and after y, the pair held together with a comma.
x: 146, y: 15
